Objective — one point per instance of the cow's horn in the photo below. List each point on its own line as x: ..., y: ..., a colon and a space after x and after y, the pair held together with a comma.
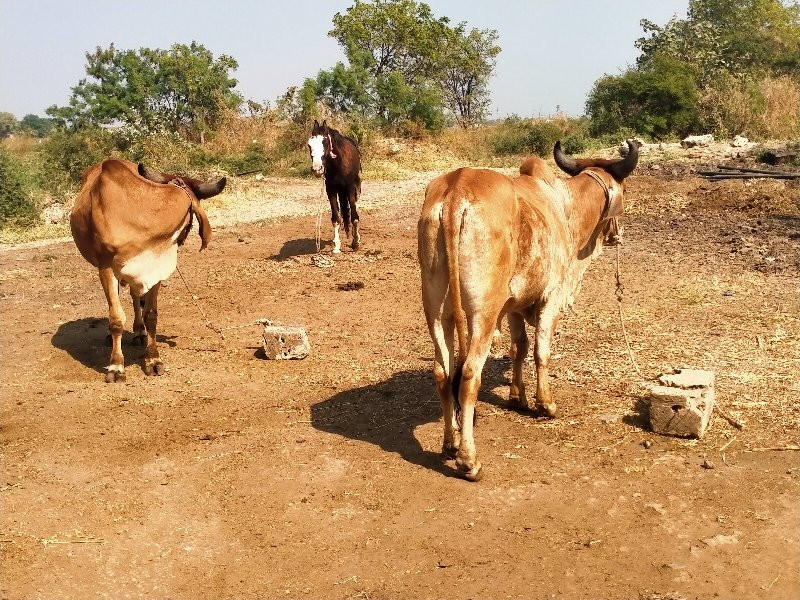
x: 206, y: 190
x: 152, y: 175
x: 564, y: 162
x: 622, y: 168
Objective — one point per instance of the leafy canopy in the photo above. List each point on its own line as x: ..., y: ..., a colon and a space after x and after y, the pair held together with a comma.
x: 405, y: 64
x: 183, y: 89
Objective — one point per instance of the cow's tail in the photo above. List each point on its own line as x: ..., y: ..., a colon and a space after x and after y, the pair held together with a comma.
x: 452, y: 220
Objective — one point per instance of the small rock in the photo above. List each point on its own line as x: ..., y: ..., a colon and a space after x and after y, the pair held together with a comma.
x: 647, y: 444
x: 693, y: 141
x: 609, y: 418
x: 707, y: 464
x: 740, y: 141
x: 284, y: 343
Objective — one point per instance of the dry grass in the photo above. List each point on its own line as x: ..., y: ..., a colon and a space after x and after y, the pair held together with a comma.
x: 768, y: 108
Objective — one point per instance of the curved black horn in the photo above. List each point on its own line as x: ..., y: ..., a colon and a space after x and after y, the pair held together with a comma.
x: 206, y: 190
x: 153, y: 176
x: 622, y: 168
x: 564, y: 162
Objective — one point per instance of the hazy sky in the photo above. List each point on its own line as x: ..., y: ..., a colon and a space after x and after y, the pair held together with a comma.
x: 552, y: 51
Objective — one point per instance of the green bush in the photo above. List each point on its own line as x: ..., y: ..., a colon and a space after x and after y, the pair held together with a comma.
x: 16, y: 205
x: 538, y: 136
x: 66, y: 155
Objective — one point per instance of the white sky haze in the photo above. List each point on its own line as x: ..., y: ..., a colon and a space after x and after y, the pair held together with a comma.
x: 552, y: 51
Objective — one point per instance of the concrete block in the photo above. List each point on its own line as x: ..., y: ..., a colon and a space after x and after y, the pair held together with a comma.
x: 684, y: 404
x: 285, y: 342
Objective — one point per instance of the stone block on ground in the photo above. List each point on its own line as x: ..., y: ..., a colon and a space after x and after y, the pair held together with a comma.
x: 683, y: 404
x: 693, y: 141
x: 282, y: 342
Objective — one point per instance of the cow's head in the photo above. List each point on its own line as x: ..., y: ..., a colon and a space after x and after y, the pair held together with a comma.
x: 614, y: 186
x: 200, y: 189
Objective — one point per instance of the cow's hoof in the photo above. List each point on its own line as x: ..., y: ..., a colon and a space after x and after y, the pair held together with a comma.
x: 115, y: 375
x: 546, y: 410
x: 154, y: 368
x: 473, y: 474
x: 449, y: 451
x: 139, y: 340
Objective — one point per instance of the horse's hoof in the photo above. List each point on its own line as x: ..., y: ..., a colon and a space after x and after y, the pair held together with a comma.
x: 336, y: 251
x: 115, y: 375
x: 154, y: 368
x: 139, y: 340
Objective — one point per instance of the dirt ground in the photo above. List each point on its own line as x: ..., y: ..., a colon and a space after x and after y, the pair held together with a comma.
x: 232, y: 476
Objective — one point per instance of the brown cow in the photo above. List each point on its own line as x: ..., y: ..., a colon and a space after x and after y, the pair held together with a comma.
x: 128, y: 222
x: 491, y: 246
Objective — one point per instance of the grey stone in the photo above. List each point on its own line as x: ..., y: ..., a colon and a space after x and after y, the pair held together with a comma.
x: 285, y: 342
x: 684, y: 404
x: 687, y: 379
x: 692, y: 141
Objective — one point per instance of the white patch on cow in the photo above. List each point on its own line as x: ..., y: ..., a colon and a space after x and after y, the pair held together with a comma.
x: 337, y: 242
x: 146, y: 269
x: 317, y: 149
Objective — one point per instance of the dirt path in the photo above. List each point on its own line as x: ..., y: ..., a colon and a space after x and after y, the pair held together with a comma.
x: 236, y: 477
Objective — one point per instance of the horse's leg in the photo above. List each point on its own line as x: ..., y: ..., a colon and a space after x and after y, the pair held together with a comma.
x: 344, y: 204
x: 336, y: 219
x: 352, y: 198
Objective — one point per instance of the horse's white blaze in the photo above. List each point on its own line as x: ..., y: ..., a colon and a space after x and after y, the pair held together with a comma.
x: 317, y: 149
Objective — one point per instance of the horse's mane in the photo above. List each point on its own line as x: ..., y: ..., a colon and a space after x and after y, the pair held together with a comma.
x: 339, y: 138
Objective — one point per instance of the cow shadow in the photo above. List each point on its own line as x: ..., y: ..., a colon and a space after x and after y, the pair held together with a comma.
x: 386, y: 414
x: 299, y: 247
x: 85, y: 341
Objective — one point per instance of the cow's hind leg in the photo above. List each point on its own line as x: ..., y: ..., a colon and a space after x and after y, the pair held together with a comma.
x: 152, y: 361
x: 469, y: 383
x: 440, y: 325
x: 139, y: 331
x: 116, y: 324
x: 519, y: 350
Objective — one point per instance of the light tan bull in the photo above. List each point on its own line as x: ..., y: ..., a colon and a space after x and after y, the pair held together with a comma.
x: 491, y: 246
x: 128, y: 223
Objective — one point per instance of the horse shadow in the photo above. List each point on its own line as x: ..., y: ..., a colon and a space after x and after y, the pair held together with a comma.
x: 85, y: 341
x: 386, y: 414
x: 299, y: 247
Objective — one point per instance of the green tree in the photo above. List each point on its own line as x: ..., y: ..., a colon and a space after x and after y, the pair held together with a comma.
x: 658, y: 101
x: 183, y: 89
x: 8, y: 124
x: 36, y: 125
x: 404, y: 65
x: 468, y: 63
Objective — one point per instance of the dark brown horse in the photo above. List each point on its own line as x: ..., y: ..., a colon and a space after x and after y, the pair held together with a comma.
x: 336, y: 158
